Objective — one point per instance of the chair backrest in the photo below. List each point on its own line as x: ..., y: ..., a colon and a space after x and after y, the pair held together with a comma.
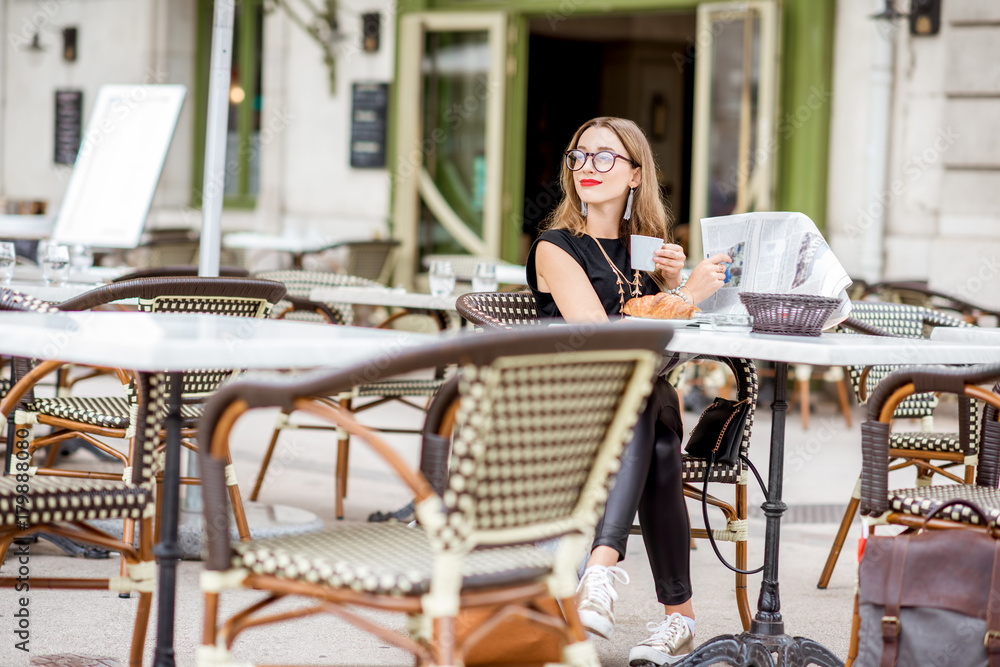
x: 234, y: 297
x: 747, y: 385
x: 543, y: 418
x: 180, y: 271
x: 300, y: 284
x: 906, y: 321
x: 11, y: 299
x: 370, y: 259
x: 498, y: 310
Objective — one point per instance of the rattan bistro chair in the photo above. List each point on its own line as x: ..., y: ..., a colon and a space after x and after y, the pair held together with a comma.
x: 538, y: 434
x: 113, y: 416
x: 358, y: 398
x: 929, y: 452
x: 60, y: 507
x: 910, y: 507
x: 510, y: 310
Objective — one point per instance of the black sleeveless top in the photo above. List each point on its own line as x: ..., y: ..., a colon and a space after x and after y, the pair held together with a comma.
x: 586, y: 253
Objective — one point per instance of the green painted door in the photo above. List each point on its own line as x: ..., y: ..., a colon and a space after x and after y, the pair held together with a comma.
x: 449, y: 158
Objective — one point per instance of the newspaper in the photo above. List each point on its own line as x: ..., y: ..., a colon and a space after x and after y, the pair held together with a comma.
x: 781, y: 253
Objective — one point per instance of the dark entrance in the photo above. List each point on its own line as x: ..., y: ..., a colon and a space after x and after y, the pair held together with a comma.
x: 637, y: 66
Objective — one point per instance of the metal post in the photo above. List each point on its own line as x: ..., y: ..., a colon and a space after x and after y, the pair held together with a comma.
x: 215, y: 137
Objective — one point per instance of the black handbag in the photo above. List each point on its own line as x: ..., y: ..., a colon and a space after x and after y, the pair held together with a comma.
x: 716, y: 438
x: 717, y: 435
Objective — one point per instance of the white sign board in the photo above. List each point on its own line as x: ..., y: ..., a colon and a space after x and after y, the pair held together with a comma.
x: 118, y: 165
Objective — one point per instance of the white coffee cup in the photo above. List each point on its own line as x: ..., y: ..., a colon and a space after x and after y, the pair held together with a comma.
x: 642, y: 251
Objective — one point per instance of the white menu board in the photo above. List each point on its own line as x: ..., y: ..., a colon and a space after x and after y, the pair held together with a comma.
x: 119, y: 163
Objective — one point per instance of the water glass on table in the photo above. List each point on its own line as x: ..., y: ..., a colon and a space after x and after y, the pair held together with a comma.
x: 81, y: 258
x: 55, y: 264
x: 442, y: 279
x: 485, y: 277
x: 8, y: 259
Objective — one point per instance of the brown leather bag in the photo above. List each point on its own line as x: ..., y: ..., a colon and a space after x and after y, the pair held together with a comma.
x: 515, y: 641
x: 930, y: 598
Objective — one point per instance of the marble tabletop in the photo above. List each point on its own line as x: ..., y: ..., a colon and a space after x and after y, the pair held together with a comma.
x: 831, y: 349
x: 181, y: 341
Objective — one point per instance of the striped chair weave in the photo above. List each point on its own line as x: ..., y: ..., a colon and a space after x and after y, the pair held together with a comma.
x: 527, y: 431
x: 922, y: 500
x: 105, y: 411
x: 301, y: 283
x: 385, y: 558
x: 908, y: 321
x: 55, y: 499
x: 498, y: 310
x: 693, y: 469
x: 387, y: 388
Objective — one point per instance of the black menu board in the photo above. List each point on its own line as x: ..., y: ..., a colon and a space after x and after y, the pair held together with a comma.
x: 69, y: 125
x: 369, y: 104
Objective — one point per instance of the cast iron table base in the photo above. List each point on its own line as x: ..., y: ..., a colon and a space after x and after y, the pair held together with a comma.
x: 766, y: 638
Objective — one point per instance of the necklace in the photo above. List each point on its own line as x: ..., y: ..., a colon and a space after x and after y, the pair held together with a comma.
x: 635, y: 285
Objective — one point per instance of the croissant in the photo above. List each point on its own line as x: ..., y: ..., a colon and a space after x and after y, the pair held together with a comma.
x: 660, y: 306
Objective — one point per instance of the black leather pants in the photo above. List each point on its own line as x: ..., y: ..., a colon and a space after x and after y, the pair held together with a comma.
x: 650, y: 480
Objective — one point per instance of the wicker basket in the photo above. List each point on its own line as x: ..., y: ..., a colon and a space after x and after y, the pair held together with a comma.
x: 789, y: 314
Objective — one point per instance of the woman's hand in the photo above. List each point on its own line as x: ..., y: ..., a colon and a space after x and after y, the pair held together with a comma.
x: 669, y: 260
x: 707, y: 277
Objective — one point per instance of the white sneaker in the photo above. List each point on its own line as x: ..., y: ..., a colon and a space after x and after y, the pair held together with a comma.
x: 670, y: 642
x: 597, y: 596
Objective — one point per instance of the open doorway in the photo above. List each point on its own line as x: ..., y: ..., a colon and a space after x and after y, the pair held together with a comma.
x: 637, y: 66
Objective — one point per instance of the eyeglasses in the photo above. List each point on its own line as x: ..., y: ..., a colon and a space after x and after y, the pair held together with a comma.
x: 604, y: 161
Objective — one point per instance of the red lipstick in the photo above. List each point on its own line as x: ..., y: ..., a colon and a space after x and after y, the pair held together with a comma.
x: 589, y: 182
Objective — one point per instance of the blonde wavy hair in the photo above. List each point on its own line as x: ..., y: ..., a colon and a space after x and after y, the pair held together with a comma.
x: 649, y: 214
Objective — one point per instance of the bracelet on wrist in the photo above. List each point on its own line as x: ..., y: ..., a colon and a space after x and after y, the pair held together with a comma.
x: 677, y: 292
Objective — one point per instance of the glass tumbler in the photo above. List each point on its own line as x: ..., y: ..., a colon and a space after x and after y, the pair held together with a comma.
x: 81, y: 258
x: 442, y: 279
x: 8, y: 259
x: 55, y: 264
x: 485, y: 277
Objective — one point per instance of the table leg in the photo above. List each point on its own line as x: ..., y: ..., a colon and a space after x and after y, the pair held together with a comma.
x: 767, y: 638
x: 167, y: 552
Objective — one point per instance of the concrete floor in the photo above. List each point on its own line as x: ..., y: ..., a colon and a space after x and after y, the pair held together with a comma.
x: 821, y: 466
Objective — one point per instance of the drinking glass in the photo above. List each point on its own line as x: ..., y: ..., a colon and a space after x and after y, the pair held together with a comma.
x: 81, y: 258
x: 485, y: 277
x: 442, y: 279
x: 8, y: 258
x: 55, y: 264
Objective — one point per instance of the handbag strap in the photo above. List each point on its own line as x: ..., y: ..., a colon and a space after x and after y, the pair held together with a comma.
x: 992, y: 639
x: 708, y: 524
x: 893, y: 597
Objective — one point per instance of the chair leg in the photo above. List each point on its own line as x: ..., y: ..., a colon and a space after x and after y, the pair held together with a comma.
x: 128, y: 537
x: 845, y: 406
x: 236, y: 500
x: 444, y: 639
x: 145, y: 599
x: 838, y: 542
x: 281, y: 421
x: 742, y: 602
x: 343, y: 450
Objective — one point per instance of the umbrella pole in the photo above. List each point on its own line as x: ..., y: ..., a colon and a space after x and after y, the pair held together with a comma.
x: 215, y: 139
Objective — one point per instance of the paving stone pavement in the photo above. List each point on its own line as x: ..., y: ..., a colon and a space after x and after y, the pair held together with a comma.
x: 69, y: 628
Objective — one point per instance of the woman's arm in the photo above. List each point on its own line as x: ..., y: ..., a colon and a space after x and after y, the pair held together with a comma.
x: 560, y: 275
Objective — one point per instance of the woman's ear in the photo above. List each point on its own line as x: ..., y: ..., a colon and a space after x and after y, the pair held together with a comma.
x: 636, y: 178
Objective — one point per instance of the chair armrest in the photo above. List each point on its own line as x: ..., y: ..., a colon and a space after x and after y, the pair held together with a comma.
x: 307, y: 305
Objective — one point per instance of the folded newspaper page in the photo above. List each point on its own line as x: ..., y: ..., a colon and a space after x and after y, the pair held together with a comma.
x: 781, y: 253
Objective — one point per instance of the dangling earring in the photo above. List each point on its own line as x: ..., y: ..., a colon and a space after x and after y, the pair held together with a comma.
x: 628, y: 204
x: 583, y: 209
